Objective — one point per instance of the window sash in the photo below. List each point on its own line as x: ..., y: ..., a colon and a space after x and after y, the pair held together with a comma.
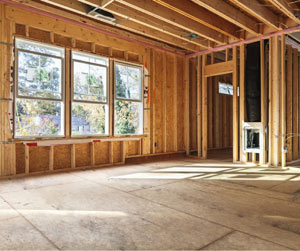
x: 17, y: 77
x: 20, y: 97
x: 115, y: 82
x: 107, y: 83
x: 138, y: 101
x: 74, y: 100
x: 62, y: 115
x: 107, y: 133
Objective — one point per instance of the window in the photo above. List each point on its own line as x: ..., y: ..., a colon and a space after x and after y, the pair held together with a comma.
x: 90, y: 95
x: 226, y: 89
x: 39, y: 106
x: 128, y: 116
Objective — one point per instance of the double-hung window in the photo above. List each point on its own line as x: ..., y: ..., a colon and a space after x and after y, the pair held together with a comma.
x: 128, y: 112
x: 39, y: 103
x: 89, y: 95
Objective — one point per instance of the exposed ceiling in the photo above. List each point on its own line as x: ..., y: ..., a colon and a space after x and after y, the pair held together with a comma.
x: 191, y: 25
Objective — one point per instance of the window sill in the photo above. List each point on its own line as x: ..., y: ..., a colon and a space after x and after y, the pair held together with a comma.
x: 78, y: 140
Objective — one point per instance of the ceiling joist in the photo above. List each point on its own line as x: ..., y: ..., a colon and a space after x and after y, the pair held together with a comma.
x: 231, y: 14
x: 153, y: 9
x: 82, y: 9
x: 257, y: 10
x: 285, y: 8
x: 201, y: 15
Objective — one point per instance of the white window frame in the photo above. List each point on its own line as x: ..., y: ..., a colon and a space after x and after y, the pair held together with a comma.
x: 16, y: 85
x: 141, y: 100
x: 86, y: 101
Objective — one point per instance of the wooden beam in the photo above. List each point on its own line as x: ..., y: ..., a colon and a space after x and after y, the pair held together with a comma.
x: 243, y: 155
x: 186, y: 106
x: 264, y: 100
x: 85, y: 34
x: 105, y: 3
x: 235, y: 106
x: 27, y: 159
x: 144, y: 19
x: 199, y: 124
x: 92, y: 153
x: 285, y: 8
x: 175, y: 108
x: 73, y: 156
x: 257, y: 10
x: 289, y: 101
x: 201, y: 15
x: 51, y: 158
x: 135, y: 27
x: 151, y: 8
x: 218, y: 69
x: 204, y: 109
x: 275, y: 102
x: 230, y: 13
x: 295, y: 103
x: 283, y: 101
x: 164, y: 102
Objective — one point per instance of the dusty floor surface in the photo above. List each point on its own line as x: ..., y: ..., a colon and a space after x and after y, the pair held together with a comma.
x: 179, y: 204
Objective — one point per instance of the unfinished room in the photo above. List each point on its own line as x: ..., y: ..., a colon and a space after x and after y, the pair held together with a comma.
x: 149, y: 125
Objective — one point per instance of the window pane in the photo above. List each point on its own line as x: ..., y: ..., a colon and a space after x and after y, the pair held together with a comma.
x: 41, y: 48
x: 128, y: 82
x: 39, y: 118
x: 128, y: 117
x: 89, y: 58
x: 89, y: 119
x: 226, y: 89
x: 39, y: 76
x: 89, y: 82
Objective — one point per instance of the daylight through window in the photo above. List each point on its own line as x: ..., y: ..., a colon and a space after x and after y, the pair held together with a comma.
x: 39, y: 107
x: 90, y: 95
x: 128, y: 99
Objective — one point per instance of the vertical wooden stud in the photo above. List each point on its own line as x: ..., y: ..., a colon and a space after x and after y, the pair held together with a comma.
x: 289, y: 102
x: 187, y: 107
x: 175, y: 137
x: 111, y: 152
x: 264, y: 104
x: 92, y: 153
x: 199, y: 123
x: 164, y: 101
x: 68, y: 93
x: 235, y: 146
x: 51, y: 158
x: 295, y: 103
x: 283, y: 102
x: 275, y: 101
x: 26, y: 159
x: 242, y: 99
x: 204, y: 109
x: 73, y: 156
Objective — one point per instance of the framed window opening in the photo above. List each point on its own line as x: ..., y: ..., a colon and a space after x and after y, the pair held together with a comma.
x: 39, y: 90
x: 128, y: 103
x: 90, y: 95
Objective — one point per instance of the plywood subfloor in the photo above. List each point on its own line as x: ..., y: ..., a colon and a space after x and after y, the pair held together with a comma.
x: 175, y: 204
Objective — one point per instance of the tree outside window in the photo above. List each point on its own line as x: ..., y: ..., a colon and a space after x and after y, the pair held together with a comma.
x: 39, y: 96
x: 128, y: 99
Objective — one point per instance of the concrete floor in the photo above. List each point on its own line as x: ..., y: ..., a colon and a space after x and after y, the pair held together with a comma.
x: 178, y: 204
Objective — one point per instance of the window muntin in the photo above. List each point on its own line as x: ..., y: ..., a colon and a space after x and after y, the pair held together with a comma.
x: 90, y: 110
x: 128, y: 105
x: 39, y: 106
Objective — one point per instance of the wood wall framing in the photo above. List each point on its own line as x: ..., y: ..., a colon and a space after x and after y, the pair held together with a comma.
x: 183, y: 112
x: 163, y: 107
